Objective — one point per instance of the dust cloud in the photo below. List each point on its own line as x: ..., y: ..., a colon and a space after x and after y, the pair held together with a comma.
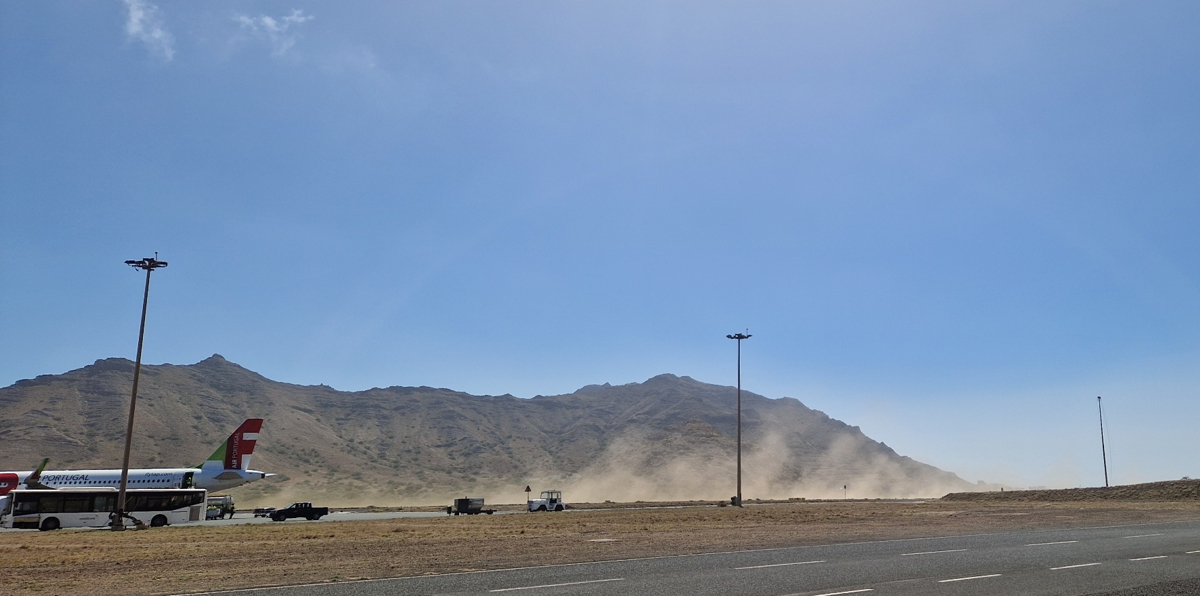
x: 635, y: 468
x: 648, y: 466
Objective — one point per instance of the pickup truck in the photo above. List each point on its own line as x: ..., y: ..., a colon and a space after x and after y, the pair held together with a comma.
x: 302, y: 509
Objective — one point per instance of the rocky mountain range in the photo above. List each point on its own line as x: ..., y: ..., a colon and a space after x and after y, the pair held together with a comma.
x: 668, y: 438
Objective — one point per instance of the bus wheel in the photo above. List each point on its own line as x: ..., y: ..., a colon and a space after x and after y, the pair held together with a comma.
x: 158, y: 521
x: 50, y: 523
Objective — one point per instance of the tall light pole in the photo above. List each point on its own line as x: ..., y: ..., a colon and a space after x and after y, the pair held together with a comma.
x: 739, y: 337
x: 149, y: 265
x: 1103, y: 454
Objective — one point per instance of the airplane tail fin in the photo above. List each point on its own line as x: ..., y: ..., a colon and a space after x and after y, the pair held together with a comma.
x: 235, y: 452
x: 34, y: 480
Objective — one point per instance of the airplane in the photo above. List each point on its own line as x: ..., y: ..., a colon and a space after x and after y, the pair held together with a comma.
x: 227, y: 467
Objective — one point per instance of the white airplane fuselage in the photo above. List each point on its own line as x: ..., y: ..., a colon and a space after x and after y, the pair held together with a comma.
x: 227, y: 467
x: 212, y: 480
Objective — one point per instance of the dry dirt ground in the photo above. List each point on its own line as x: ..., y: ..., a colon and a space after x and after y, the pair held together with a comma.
x: 195, y: 558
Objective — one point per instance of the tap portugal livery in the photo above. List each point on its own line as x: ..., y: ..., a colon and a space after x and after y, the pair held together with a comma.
x: 227, y: 467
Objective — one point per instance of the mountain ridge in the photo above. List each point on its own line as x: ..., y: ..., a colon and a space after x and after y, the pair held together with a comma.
x: 669, y: 437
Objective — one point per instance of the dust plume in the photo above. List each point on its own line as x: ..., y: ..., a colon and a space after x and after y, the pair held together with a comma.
x: 641, y: 466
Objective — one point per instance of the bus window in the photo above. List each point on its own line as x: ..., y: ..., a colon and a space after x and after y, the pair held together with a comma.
x: 77, y: 504
x: 26, y: 506
x: 104, y: 503
x: 50, y: 504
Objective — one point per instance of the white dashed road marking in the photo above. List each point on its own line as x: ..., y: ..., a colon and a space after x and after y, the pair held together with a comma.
x: 594, y: 581
x: 1073, y: 566
x: 846, y: 592
x: 779, y: 565
x: 934, y: 552
x: 963, y: 579
x: 1051, y: 543
x: 1149, y: 558
x: 1145, y: 535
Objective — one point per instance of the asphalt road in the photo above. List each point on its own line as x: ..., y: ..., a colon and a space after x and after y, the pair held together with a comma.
x: 1132, y: 559
x: 248, y: 518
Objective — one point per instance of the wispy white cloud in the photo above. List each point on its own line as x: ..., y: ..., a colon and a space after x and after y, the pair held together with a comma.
x: 282, y: 33
x: 146, y: 24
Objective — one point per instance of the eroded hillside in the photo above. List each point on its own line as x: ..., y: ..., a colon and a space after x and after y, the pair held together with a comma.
x: 667, y: 438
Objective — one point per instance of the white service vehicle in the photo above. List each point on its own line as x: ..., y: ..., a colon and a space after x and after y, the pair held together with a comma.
x: 551, y: 500
x: 219, y: 506
x: 42, y: 509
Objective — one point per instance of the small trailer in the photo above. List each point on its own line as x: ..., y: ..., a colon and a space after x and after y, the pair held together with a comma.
x: 468, y: 506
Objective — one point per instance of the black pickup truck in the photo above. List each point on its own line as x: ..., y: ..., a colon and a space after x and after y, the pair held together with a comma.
x: 302, y: 509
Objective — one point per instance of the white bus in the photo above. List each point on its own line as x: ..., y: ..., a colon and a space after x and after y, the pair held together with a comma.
x: 91, y: 507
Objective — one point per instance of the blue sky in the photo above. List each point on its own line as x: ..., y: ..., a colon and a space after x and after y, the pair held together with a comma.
x: 953, y: 224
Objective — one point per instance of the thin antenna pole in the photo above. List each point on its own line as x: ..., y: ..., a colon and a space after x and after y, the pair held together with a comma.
x: 1103, y: 453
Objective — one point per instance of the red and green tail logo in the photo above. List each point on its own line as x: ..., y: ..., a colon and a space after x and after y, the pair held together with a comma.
x: 235, y: 452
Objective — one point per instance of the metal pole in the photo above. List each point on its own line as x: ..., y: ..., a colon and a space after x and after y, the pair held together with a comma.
x: 739, y: 337
x: 1103, y: 453
x: 739, y: 424
x: 118, y: 515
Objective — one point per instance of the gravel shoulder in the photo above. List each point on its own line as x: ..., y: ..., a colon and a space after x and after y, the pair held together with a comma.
x: 201, y: 558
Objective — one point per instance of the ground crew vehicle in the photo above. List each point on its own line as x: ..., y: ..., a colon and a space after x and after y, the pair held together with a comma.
x: 219, y: 506
x: 301, y: 509
x: 551, y: 500
x: 468, y: 506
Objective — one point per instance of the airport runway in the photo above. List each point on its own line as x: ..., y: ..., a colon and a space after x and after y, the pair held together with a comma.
x: 248, y: 518
x: 1050, y: 562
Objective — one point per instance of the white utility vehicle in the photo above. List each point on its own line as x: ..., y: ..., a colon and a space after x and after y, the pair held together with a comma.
x: 551, y: 500
x: 219, y: 506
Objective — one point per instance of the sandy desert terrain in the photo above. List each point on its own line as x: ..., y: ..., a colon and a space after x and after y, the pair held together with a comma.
x: 199, y: 558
